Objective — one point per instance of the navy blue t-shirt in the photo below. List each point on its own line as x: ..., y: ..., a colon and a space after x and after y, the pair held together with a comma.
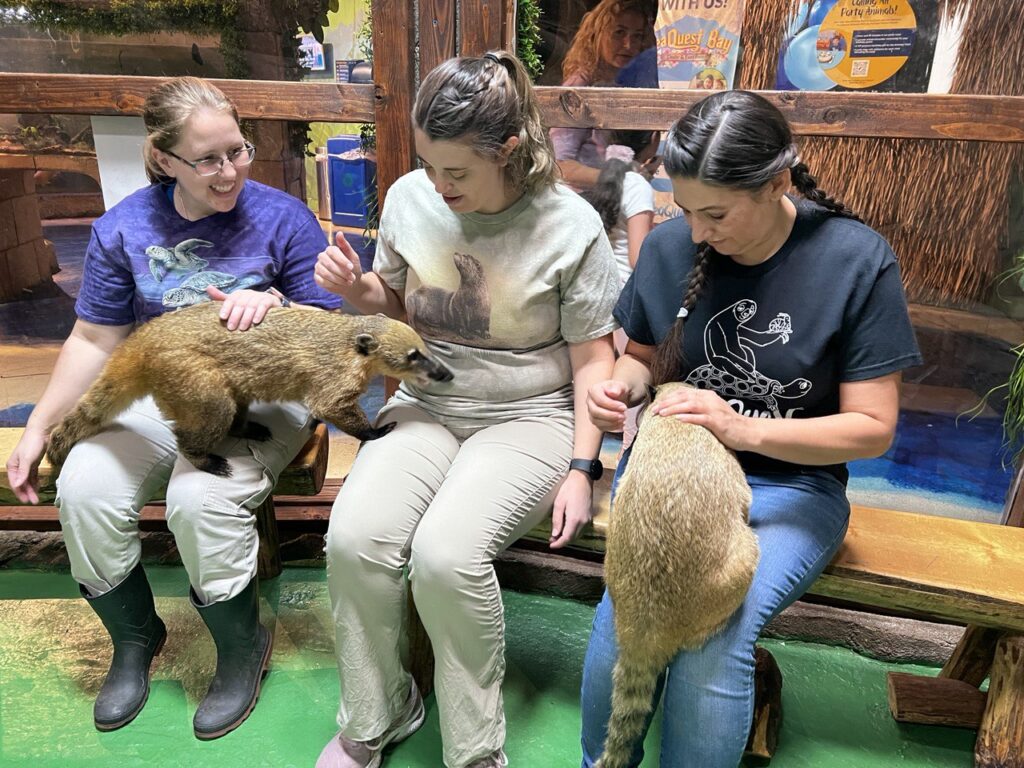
x: 775, y: 340
x: 144, y: 259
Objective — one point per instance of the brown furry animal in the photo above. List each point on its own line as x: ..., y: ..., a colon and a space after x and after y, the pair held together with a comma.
x: 203, y: 376
x: 679, y: 561
x: 461, y: 314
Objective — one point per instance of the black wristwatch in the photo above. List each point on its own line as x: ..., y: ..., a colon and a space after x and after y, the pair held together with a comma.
x: 592, y: 467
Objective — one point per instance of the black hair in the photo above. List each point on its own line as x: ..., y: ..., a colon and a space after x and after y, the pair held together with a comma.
x: 739, y: 140
x: 606, y: 194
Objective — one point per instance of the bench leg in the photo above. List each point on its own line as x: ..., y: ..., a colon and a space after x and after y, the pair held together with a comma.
x: 972, y: 658
x: 269, y: 557
x: 421, y: 653
x: 951, y: 699
x: 1001, y: 735
x: 764, y: 730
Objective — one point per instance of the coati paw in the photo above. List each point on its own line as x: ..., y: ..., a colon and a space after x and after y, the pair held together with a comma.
x: 380, y: 431
x: 253, y: 431
x: 214, y: 464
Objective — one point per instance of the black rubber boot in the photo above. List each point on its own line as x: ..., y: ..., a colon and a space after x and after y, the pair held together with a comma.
x: 243, y: 654
x: 138, y: 634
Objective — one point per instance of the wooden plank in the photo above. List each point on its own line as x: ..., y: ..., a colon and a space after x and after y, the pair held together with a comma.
x: 895, y: 115
x: 437, y: 33
x: 934, y: 701
x: 480, y: 25
x: 394, y: 33
x: 510, y: 28
x: 124, y: 95
x: 957, y: 570
x: 304, y: 476
x: 891, y: 115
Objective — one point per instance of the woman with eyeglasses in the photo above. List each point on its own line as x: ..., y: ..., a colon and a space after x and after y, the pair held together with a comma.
x: 202, y: 230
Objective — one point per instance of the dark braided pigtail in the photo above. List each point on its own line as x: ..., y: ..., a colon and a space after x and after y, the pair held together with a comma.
x: 668, y: 357
x: 807, y: 186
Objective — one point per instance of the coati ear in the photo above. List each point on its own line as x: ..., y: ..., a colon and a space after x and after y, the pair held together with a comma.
x: 366, y: 344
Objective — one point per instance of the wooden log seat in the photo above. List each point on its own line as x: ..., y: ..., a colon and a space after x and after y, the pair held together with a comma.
x: 953, y: 570
x: 958, y: 571
x: 304, y: 476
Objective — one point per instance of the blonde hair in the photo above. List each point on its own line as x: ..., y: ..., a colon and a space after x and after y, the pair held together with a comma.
x: 486, y: 100
x: 168, y: 107
x: 584, y: 56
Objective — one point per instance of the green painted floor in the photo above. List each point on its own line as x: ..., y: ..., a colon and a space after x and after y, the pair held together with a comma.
x: 53, y: 656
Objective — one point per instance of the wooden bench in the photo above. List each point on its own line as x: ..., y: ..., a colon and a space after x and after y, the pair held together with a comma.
x: 304, y: 476
x: 952, y: 570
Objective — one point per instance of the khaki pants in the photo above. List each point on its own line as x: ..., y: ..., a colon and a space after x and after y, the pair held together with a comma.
x: 444, y: 505
x: 108, y: 478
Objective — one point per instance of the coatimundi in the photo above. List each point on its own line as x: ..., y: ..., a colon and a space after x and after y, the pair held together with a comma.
x: 679, y: 560
x: 203, y: 376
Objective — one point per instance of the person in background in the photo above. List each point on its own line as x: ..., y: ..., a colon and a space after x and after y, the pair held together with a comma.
x: 609, y: 37
x: 787, y: 315
x: 202, y: 230
x: 625, y: 200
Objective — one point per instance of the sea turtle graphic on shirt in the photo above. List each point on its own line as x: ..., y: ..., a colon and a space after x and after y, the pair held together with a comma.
x: 180, y: 258
x: 732, y: 365
x: 193, y: 289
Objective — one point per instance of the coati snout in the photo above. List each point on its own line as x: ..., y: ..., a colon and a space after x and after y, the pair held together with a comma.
x: 399, y: 360
x: 203, y: 376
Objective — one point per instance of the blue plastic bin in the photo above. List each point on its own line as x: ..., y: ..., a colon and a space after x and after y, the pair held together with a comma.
x: 349, y: 182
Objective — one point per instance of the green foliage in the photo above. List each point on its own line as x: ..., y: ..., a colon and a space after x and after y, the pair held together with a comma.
x: 122, y: 17
x: 528, y: 36
x: 1013, y: 389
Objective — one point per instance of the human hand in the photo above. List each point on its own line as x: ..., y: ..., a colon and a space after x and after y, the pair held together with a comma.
x: 708, y: 409
x: 243, y: 309
x: 337, y: 267
x: 573, y: 509
x: 23, y: 465
x: 650, y: 167
x: 606, y: 405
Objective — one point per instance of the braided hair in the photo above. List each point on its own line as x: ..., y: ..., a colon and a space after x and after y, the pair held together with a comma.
x: 738, y: 140
x: 484, y: 100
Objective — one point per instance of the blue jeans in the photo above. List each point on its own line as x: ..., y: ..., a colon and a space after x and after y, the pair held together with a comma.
x: 800, y: 521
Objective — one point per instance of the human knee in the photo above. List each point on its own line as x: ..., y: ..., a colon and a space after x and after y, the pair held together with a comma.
x: 438, y: 565
x: 87, y: 497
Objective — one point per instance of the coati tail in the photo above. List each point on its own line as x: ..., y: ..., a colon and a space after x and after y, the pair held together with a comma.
x: 633, y: 686
x: 104, y: 400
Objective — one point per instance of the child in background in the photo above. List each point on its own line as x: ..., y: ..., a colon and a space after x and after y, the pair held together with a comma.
x: 625, y: 199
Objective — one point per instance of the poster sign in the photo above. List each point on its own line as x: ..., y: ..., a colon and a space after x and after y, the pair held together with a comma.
x: 698, y: 43
x: 858, y: 45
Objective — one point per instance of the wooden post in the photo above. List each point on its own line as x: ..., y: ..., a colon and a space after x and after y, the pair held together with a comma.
x: 481, y: 23
x: 764, y: 730
x: 269, y: 557
x: 1001, y: 736
x: 437, y: 33
x: 420, y: 652
x: 972, y: 657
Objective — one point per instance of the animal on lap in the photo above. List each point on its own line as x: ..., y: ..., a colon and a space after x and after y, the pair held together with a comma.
x: 203, y: 376
x: 679, y: 561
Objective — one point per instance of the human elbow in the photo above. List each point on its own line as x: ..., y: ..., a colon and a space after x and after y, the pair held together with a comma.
x: 878, y: 441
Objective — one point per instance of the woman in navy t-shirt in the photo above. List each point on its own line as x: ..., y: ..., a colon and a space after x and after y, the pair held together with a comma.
x: 796, y: 330
x: 201, y: 231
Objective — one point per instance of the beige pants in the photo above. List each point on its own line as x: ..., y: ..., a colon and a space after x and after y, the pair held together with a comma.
x: 108, y: 478
x: 444, y: 505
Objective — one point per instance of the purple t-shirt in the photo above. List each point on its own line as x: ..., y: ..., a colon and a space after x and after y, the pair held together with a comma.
x: 144, y: 259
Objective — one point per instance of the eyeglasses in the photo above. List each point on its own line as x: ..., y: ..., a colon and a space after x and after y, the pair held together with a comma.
x: 211, y: 166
